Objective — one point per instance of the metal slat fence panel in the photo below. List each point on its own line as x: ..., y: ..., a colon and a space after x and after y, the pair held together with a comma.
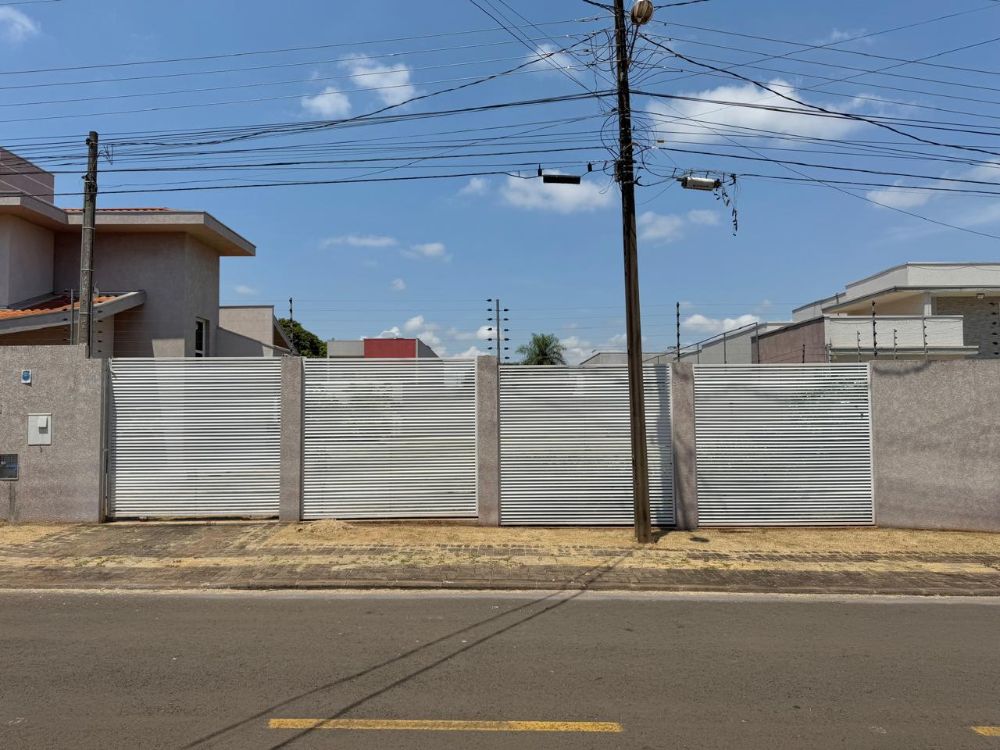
x: 390, y: 439
x: 195, y: 437
x: 565, y: 452
x: 783, y: 445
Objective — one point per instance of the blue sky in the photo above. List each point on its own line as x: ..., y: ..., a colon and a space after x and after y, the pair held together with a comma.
x: 421, y: 257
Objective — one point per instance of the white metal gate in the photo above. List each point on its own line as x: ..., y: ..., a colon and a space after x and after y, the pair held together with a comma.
x: 565, y: 451
x: 783, y: 445
x: 195, y: 437
x: 390, y: 439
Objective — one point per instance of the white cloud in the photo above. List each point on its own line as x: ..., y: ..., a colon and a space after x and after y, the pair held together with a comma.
x: 535, y: 195
x: 428, y: 251
x: 755, y: 116
x: 245, y: 291
x: 895, y: 197
x: 705, y: 326
x: 703, y: 216
x: 840, y: 35
x: 618, y: 340
x: 329, y: 103
x: 576, y: 349
x: 475, y: 186
x: 394, y: 82
x: 665, y: 228
x: 914, y: 197
x: 418, y: 327
x: 414, y: 324
x: 482, y: 334
x: 16, y: 26
x: 547, y: 58
x: 472, y: 351
x: 398, y: 285
x: 654, y: 227
x: 360, y: 240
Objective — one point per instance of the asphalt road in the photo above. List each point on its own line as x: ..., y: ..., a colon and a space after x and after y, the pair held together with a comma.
x: 198, y: 671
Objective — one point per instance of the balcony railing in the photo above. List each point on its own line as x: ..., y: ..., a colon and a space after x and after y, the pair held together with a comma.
x: 899, y: 332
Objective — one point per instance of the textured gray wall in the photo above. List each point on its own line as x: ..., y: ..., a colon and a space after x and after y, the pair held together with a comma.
x: 488, y: 440
x: 683, y: 440
x: 62, y: 481
x: 785, y: 345
x: 179, y: 275
x: 292, y: 438
x: 25, y: 261
x: 936, y: 434
x: 981, y: 321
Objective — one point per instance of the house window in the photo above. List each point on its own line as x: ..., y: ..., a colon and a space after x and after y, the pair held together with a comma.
x: 200, y: 337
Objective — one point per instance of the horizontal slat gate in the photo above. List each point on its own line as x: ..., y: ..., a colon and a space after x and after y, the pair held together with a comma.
x: 565, y: 447
x: 195, y: 437
x: 390, y: 439
x: 783, y: 445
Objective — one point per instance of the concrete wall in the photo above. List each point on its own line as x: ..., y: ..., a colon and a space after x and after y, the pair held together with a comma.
x: 202, y: 298
x: 25, y: 260
x: 230, y: 344
x: 179, y: 275
x: 19, y: 175
x: 488, y: 440
x: 683, y: 440
x: 54, y: 336
x: 980, y: 324
x: 346, y: 348
x: 61, y: 481
x: 785, y: 345
x: 251, y: 321
x: 292, y: 438
x: 936, y: 433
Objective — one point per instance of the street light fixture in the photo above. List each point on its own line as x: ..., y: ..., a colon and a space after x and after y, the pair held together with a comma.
x: 689, y: 182
x: 642, y: 12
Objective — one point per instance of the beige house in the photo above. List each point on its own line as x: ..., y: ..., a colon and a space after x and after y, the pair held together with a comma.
x: 156, y: 277
x: 910, y: 311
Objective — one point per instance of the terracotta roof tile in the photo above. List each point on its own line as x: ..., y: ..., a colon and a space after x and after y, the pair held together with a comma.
x: 56, y: 304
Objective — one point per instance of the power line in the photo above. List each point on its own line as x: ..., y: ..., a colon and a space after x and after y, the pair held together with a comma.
x: 283, y: 50
x: 840, y: 189
x: 830, y: 48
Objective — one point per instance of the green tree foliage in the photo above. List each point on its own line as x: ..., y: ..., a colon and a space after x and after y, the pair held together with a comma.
x: 543, y: 349
x: 306, y: 343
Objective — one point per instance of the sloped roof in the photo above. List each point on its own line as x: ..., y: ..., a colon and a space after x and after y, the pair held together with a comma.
x: 54, y: 311
x: 57, y: 304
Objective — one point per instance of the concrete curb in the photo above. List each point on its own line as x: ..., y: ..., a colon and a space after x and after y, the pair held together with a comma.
x: 514, y: 585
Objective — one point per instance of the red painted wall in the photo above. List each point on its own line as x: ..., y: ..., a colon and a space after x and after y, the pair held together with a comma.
x: 390, y: 348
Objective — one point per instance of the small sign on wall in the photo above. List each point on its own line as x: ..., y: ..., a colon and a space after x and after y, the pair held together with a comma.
x: 25, y: 377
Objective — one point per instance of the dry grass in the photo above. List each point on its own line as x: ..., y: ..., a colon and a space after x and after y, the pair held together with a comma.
x: 853, y: 541
x: 12, y: 535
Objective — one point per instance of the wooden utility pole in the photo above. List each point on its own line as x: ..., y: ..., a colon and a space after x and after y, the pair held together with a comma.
x: 625, y: 173
x: 85, y: 332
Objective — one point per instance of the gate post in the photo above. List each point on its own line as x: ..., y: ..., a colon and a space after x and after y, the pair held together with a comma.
x: 683, y: 441
x: 488, y: 440
x: 292, y: 424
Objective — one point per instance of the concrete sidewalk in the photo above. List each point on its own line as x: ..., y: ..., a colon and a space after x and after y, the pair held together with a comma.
x: 339, y: 555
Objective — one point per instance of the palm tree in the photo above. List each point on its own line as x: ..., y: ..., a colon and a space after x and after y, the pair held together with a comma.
x: 543, y: 349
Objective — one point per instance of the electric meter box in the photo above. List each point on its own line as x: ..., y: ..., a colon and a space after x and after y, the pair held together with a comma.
x: 39, y: 429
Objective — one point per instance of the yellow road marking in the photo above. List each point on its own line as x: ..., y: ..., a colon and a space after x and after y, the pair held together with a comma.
x: 431, y: 725
x: 987, y: 731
